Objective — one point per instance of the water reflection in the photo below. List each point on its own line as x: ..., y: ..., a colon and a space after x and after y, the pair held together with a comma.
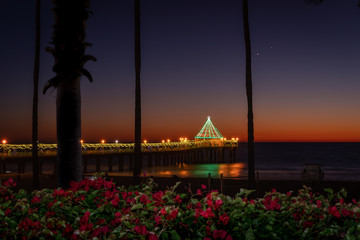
x: 229, y: 170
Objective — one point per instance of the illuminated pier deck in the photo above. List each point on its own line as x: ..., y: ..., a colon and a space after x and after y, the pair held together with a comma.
x: 105, y: 156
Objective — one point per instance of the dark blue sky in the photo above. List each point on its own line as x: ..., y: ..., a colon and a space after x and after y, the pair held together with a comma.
x: 305, y: 70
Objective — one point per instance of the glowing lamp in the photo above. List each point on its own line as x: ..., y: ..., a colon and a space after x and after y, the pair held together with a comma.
x: 116, y: 141
x: 237, y: 139
x: 233, y: 139
x: 4, y: 141
x: 224, y: 139
x: 102, y: 141
x: 81, y: 141
x: 163, y: 141
x: 145, y: 141
x: 168, y: 140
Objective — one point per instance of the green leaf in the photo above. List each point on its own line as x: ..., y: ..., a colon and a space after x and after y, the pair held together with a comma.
x: 329, y: 190
x: 249, y: 234
x: 174, y: 235
x: 137, y: 206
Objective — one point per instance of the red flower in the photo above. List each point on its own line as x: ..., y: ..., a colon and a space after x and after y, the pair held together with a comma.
x: 144, y: 199
x: 7, y: 212
x: 218, y: 203
x: 141, y: 230
x: 9, y: 183
x: 173, y: 214
x: 158, y: 219
x: 207, y: 213
x: 35, y: 199
x: 203, y: 186
x: 271, y: 204
x: 318, y: 203
x: 115, y: 201
x: 152, y: 237
x: 307, y: 224
x: 163, y: 211
x: 198, y: 192
x: 177, y: 199
x: 224, y: 219
x: 219, y: 234
x: 334, y: 211
x: 50, y: 214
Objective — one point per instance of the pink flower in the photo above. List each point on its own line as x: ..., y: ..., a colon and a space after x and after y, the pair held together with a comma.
x: 198, y: 192
x: 318, y: 203
x: 203, y: 186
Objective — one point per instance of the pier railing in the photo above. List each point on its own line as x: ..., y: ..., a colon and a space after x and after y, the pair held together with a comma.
x: 19, y: 150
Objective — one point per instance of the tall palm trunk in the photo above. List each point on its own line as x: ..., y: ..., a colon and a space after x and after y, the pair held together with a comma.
x: 35, y: 99
x: 68, y: 126
x: 69, y: 53
x: 251, y: 160
x: 137, y: 149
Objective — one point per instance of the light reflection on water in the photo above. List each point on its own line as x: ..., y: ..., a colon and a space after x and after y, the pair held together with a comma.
x: 229, y: 170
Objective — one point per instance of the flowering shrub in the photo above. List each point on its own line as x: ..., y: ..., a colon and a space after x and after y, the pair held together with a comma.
x: 97, y: 209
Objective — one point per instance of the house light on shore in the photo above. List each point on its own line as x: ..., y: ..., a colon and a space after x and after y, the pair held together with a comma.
x: 4, y: 141
x: 168, y: 140
x: 116, y: 141
x: 103, y: 141
x: 145, y: 141
x: 163, y: 141
x: 81, y: 141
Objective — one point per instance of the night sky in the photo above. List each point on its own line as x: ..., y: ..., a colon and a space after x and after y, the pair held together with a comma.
x: 305, y: 70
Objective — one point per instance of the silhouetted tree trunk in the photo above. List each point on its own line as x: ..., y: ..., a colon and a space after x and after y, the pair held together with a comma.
x: 69, y: 53
x: 137, y: 149
x: 35, y: 99
x: 251, y: 160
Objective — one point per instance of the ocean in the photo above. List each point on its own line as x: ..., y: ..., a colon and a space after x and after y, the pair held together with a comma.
x: 278, y: 161
x: 273, y: 161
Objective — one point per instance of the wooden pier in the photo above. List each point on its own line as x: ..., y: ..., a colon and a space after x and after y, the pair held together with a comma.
x: 118, y: 157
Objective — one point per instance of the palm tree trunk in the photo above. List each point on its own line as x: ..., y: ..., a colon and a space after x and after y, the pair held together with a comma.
x: 251, y: 160
x: 68, y: 126
x: 35, y: 100
x: 69, y: 53
x: 137, y: 149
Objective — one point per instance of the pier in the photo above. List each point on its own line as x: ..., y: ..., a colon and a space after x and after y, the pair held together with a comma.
x: 118, y: 157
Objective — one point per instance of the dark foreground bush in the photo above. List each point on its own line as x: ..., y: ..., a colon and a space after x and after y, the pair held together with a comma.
x: 97, y: 209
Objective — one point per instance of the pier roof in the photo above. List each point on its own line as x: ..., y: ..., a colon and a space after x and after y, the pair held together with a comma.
x: 208, y: 131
